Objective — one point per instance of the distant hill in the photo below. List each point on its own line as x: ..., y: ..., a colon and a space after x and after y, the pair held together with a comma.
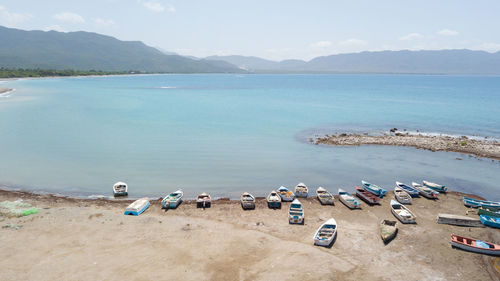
x: 86, y: 51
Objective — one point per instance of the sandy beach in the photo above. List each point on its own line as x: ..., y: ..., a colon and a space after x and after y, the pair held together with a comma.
x: 84, y: 239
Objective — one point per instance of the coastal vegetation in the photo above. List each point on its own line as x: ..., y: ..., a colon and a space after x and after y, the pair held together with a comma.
x: 21, y: 72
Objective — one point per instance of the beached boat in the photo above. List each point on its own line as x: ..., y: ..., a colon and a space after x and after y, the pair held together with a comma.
x: 120, y: 189
x: 402, y: 213
x: 137, y: 207
x: 375, y: 189
x: 247, y: 201
x: 172, y: 200
x: 324, y: 197
x: 402, y: 196
x: 296, y: 212
x: 349, y: 200
x: 367, y: 196
x: 274, y: 200
x: 475, y: 203
x: 326, y: 233
x: 474, y: 245
x: 490, y: 221
x: 489, y: 212
x: 301, y: 190
x: 459, y: 220
x: 203, y: 200
x: 425, y: 191
x: 435, y: 186
x: 388, y: 230
x: 285, y: 194
x: 410, y: 190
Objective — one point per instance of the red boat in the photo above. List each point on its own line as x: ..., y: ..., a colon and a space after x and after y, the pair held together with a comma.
x: 474, y: 245
x: 367, y: 196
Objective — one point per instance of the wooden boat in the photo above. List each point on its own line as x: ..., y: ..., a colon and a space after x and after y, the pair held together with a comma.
x: 274, y: 200
x: 247, y: 201
x: 367, y: 196
x: 475, y: 203
x: 402, y: 196
x: 120, y: 189
x: 137, y: 207
x: 402, y: 213
x: 296, y: 212
x: 410, y: 190
x: 172, y: 200
x: 203, y: 200
x: 435, y: 186
x: 349, y: 200
x: 301, y: 190
x: 458, y: 220
x: 326, y: 233
x: 285, y: 194
x: 324, y: 197
x: 375, y: 189
x: 425, y: 191
x: 474, y: 245
x: 489, y: 212
x: 490, y: 221
x: 388, y: 230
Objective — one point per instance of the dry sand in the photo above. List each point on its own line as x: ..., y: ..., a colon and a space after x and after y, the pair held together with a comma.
x: 77, y: 239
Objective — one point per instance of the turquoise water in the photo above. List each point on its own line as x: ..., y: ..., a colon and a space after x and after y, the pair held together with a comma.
x: 225, y: 134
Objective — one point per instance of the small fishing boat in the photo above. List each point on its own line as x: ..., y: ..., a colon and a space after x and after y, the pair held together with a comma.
x: 474, y: 245
x: 402, y: 213
x: 296, y: 212
x: 475, y: 203
x: 490, y: 221
x: 172, y: 200
x: 137, y: 207
x: 120, y: 189
x: 410, y: 190
x: 367, y: 196
x: 425, y: 191
x: 489, y: 212
x: 349, y: 200
x: 375, y: 189
x: 247, y: 201
x: 402, y: 196
x: 274, y: 200
x: 203, y: 200
x: 301, y: 190
x: 285, y: 194
x: 326, y: 233
x: 324, y: 197
x: 459, y: 220
x: 388, y: 230
x: 435, y: 186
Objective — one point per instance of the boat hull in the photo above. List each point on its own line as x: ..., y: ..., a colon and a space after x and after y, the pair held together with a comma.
x: 380, y: 192
x: 301, y: 194
x: 274, y: 205
x: 350, y: 204
x: 484, y: 211
x: 475, y: 249
x: 326, y: 242
x: 388, y: 232
x: 366, y: 196
x: 458, y: 220
x: 136, y: 212
x: 248, y: 205
x: 490, y: 221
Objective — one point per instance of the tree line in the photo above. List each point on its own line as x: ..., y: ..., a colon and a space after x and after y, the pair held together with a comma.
x: 22, y: 72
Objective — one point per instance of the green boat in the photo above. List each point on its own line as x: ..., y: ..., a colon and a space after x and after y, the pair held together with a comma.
x: 489, y: 212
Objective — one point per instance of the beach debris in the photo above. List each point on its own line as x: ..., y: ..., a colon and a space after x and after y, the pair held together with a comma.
x: 187, y: 227
x: 17, y: 208
x: 13, y: 226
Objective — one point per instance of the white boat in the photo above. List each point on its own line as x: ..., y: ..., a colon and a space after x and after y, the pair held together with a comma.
x: 425, y: 191
x: 402, y: 213
x: 203, y: 200
x: 247, y: 201
x: 286, y: 194
x: 301, y: 190
x: 350, y: 201
x: 326, y: 233
x: 296, y: 212
x: 435, y: 186
x: 273, y: 200
x: 324, y: 197
x: 172, y: 200
x: 402, y: 196
x: 120, y: 189
x: 137, y: 207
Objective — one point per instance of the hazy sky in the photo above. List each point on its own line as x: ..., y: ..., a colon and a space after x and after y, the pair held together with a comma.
x: 270, y: 29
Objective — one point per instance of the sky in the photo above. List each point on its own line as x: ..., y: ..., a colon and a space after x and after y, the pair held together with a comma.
x: 274, y: 30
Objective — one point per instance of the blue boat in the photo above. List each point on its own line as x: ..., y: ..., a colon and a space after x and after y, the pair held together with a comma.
x: 380, y: 192
x: 138, y: 207
x: 475, y: 203
x: 490, y: 221
x: 410, y: 190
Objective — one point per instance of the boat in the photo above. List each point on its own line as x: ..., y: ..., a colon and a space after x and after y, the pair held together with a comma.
x: 326, y: 233
x: 375, y: 189
x: 367, y: 196
x: 388, y: 230
x: 402, y: 213
x: 474, y: 245
x: 203, y: 200
x: 296, y: 212
x: 285, y: 194
x: 349, y: 200
x: 137, y: 207
x: 402, y: 196
x: 120, y: 189
x: 324, y: 197
x: 247, y: 201
x: 425, y: 191
x: 435, y: 186
x: 475, y: 203
x: 301, y: 190
x: 410, y: 190
x: 490, y: 221
x: 458, y: 220
x: 489, y: 212
x: 274, y: 200
x: 172, y: 200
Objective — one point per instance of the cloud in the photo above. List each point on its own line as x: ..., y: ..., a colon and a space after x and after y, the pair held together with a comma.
x: 12, y: 19
x: 411, y: 36
x: 69, y: 17
x: 103, y: 22
x: 171, y: 9
x: 352, y: 42
x: 321, y: 44
x: 154, y: 6
x: 489, y: 47
x: 54, y: 27
x: 447, y: 32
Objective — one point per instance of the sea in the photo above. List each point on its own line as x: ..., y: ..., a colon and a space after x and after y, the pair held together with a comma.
x: 228, y: 133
